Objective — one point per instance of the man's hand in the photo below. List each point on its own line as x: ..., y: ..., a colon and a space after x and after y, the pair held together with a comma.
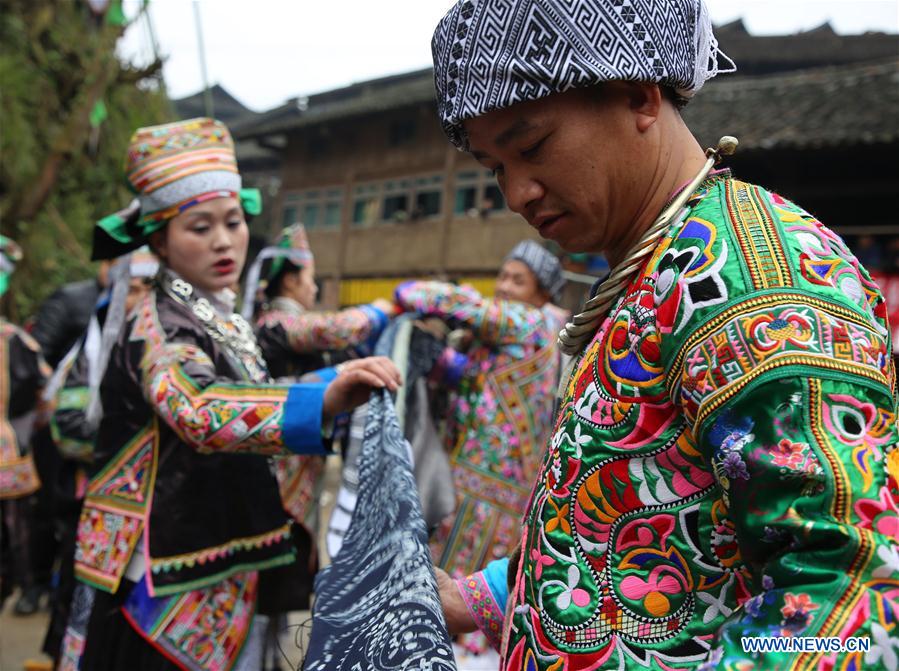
x: 354, y: 382
x: 458, y: 617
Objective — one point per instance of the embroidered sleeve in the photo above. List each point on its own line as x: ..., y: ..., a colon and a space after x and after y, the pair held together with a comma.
x: 494, y: 322
x: 485, y: 594
x: 791, y: 397
x: 808, y: 467
x: 213, y: 415
x: 776, y: 349
x: 317, y: 331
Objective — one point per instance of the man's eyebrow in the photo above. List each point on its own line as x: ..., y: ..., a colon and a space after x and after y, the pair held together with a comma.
x: 520, y: 127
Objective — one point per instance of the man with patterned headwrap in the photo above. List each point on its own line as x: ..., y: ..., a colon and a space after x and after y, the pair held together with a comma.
x: 724, y: 461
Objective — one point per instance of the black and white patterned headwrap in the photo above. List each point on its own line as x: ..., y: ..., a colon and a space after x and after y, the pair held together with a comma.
x: 491, y: 54
x: 545, y: 266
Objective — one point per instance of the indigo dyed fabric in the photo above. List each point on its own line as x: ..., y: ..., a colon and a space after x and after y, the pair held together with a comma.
x: 377, y: 605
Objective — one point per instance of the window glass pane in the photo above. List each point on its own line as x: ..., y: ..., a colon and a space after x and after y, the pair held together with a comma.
x: 310, y: 215
x: 311, y: 195
x: 427, y: 204
x: 396, y: 208
x: 365, y: 211
x: 467, y: 176
x: 288, y: 217
x: 332, y: 215
x: 493, y: 198
x: 465, y: 199
x: 397, y: 185
x: 335, y: 193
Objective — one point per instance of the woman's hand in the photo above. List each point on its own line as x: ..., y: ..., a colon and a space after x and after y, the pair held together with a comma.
x: 354, y: 382
x: 387, y: 307
x: 455, y: 612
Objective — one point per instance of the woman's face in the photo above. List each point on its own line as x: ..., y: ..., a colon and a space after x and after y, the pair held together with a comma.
x: 300, y: 285
x: 517, y: 282
x: 206, y: 244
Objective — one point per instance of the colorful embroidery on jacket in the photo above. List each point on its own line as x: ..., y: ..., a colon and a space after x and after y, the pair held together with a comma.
x: 115, y: 511
x: 499, y: 419
x: 18, y: 473
x: 739, y: 395
x: 199, y: 630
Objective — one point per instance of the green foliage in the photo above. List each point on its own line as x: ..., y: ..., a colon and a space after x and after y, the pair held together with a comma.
x: 48, y: 49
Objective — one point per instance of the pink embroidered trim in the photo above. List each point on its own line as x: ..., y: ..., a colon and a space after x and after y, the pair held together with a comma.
x: 483, y: 607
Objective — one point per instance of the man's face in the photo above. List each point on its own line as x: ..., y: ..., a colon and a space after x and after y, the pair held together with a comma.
x: 517, y: 282
x: 568, y: 163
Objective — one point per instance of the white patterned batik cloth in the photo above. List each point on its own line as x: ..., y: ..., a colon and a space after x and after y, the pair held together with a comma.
x: 376, y: 605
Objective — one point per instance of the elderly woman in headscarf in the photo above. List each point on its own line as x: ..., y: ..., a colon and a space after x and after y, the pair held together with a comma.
x: 502, y: 401
x: 183, y: 545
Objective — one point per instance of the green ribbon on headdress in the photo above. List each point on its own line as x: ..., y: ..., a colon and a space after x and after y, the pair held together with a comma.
x: 127, y: 230
x: 10, y: 254
x: 284, y: 250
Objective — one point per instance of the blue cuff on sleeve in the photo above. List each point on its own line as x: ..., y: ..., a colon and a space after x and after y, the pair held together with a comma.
x: 326, y: 375
x: 378, y: 321
x: 496, y: 576
x: 302, y: 428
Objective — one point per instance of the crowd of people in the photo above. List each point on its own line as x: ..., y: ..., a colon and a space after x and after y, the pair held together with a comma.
x: 707, y: 452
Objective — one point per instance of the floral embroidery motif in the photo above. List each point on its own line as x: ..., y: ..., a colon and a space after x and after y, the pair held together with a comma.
x: 199, y: 630
x: 18, y: 473
x: 499, y: 419
x: 219, y: 417
x: 114, y: 513
x: 692, y: 438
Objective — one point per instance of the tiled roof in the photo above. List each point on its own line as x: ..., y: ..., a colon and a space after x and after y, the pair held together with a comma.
x: 227, y: 107
x: 850, y: 104
x: 822, y: 106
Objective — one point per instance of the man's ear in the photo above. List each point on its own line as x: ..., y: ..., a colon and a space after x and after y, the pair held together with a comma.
x: 645, y: 102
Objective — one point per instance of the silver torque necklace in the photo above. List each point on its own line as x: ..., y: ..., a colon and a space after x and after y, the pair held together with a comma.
x: 582, y: 327
x: 234, y: 334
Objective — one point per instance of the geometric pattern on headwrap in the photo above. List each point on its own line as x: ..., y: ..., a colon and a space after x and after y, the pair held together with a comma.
x: 491, y: 54
x: 543, y: 263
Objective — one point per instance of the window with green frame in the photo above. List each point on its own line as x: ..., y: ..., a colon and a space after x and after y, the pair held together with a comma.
x: 477, y: 193
x: 315, y: 208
